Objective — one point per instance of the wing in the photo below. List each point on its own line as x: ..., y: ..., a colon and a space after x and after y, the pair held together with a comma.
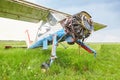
x: 23, y: 10
x: 26, y: 11
x: 98, y: 26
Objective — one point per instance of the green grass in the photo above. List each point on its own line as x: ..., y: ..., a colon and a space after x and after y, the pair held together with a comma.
x: 24, y: 64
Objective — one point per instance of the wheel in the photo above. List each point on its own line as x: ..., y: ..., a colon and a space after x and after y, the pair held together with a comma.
x: 45, y: 67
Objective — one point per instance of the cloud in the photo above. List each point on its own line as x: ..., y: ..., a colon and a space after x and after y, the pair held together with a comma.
x: 14, y: 29
x: 103, y: 38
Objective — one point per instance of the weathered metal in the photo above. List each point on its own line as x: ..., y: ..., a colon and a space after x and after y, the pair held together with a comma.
x: 79, y: 26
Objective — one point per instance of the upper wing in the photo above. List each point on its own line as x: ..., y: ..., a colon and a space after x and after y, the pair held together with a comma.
x: 23, y: 10
x: 26, y: 11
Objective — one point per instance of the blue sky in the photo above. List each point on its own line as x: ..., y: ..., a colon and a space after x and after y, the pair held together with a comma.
x: 103, y: 11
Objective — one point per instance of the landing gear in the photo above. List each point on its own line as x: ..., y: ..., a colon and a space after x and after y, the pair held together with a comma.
x: 45, y: 66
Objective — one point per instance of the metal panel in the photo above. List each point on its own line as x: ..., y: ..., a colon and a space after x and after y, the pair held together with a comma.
x: 21, y: 10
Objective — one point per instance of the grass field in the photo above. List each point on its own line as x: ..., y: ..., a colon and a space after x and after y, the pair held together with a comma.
x: 71, y: 64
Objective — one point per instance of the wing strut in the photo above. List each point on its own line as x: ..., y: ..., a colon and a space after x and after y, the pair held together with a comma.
x: 87, y: 48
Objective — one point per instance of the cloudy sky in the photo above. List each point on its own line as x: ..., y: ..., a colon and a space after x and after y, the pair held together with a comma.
x: 103, y: 11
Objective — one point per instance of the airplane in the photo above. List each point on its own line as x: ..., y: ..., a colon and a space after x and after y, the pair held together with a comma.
x: 55, y: 26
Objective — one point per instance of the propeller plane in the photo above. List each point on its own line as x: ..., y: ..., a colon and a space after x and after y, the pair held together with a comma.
x: 55, y: 26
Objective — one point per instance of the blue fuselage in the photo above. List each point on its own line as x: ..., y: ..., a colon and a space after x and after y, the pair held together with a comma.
x: 49, y: 39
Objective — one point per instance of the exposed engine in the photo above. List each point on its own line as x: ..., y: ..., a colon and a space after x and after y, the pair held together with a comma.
x: 79, y: 26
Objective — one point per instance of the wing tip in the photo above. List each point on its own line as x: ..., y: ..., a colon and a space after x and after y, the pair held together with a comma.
x: 98, y: 26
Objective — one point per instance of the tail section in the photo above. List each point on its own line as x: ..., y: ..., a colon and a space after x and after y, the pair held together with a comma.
x: 28, y: 41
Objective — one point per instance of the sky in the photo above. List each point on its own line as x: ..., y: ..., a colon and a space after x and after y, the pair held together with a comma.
x: 103, y: 11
